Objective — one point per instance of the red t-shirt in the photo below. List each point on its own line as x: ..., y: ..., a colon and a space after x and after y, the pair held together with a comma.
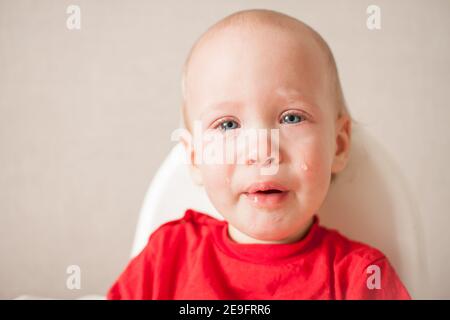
x: 194, y: 258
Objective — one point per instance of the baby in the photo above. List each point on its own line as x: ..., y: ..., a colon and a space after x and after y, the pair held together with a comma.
x: 261, y: 70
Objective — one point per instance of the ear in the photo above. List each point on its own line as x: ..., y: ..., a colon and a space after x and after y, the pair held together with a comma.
x: 190, y: 156
x: 343, y: 141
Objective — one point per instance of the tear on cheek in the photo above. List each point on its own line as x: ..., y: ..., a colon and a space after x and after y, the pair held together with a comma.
x: 304, y: 166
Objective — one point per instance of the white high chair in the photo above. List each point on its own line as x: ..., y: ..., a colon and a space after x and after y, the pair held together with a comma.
x: 369, y: 202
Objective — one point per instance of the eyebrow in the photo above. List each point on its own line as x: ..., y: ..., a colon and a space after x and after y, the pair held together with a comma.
x: 218, y: 106
x: 295, y: 95
x: 287, y: 94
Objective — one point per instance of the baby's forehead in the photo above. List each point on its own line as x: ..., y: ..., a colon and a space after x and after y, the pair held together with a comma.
x: 264, y: 41
x: 300, y: 39
x: 252, y: 63
x: 294, y: 41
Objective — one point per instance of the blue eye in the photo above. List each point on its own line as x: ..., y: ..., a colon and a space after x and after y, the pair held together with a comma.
x: 228, y: 125
x: 292, y: 118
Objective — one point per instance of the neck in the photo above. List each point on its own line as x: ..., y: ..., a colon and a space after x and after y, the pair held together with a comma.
x: 243, y: 238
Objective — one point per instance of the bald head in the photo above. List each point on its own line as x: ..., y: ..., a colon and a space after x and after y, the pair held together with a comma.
x: 262, y: 22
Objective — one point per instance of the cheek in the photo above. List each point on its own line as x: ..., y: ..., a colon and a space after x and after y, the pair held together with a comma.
x: 315, y: 179
x: 217, y: 179
x: 311, y: 157
x: 316, y: 159
x: 217, y: 183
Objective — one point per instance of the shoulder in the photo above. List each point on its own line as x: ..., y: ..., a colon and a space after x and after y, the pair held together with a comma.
x: 361, y: 271
x: 347, y: 252
x: 162, y: 255
x: 191, y: 228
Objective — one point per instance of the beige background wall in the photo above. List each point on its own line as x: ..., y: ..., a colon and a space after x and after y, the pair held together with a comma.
x: 86, y: 117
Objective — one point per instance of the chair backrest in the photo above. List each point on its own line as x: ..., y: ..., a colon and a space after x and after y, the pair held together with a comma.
x: 170, y: 193
x: 368, y: 202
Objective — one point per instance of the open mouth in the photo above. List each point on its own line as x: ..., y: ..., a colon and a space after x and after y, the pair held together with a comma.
x: 270, y: 191
x: 267, y: 195
x: 267, y: 187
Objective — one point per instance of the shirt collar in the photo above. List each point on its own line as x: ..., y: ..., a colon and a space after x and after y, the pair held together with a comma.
x: 265, y: 253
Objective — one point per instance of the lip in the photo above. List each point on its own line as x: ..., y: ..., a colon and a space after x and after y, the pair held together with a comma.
x: 254, y: 194
x: 264, y: 186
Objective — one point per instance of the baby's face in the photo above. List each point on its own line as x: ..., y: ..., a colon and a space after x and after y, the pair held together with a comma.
x: 240, y: 81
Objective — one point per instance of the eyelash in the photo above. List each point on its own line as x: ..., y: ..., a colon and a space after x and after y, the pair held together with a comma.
x: 222, y: 121
x: 287, y: 113
x: 294, y: 113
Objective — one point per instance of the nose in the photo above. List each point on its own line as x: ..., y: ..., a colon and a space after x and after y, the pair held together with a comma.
x: 264, y: 151
x: 251, y: 160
